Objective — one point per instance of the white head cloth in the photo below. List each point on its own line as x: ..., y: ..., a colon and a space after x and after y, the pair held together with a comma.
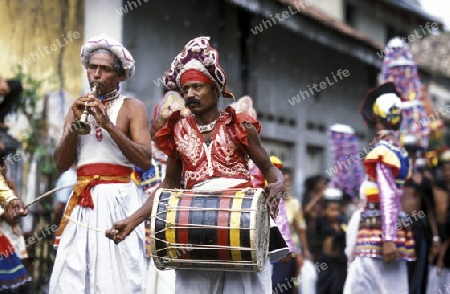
x: 105, y: 42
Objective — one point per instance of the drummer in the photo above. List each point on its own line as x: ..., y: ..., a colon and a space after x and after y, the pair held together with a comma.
x: 209, y: 148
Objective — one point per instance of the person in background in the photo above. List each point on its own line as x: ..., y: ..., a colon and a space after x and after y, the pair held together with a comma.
x: 383, y: 247
x: 10, y: 91
x: 312, y: 203
x: 62, y: 196
x: 439, y: 273
x: 296, y: 221
x: 284, y: 271
x: 313, y: 208
x: 14, y: 276
x: 331, y: 230
x: 418, y: 199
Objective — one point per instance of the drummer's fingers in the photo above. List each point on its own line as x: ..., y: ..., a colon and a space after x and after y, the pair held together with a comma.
x: 109, y: 234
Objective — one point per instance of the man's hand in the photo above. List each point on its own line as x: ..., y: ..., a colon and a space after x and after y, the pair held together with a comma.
x: 79, y: 105
x: 307, y: 255
x: 121, y: 230
x: 389, y: 250
x: 98, y: 110
x: 434, y: 252
x: 275, y: 191
x: 16, y: 209
x: 95, y: 107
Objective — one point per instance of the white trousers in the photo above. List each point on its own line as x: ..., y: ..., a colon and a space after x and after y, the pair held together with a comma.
x: 159, y: 282
x: 87, y: 262
x: 308, y: 278
x: 438, y: 283
x: 221, y: 282
x: 370, y: 275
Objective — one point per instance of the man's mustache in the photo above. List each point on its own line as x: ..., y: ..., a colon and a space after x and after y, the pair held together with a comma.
x: 190, y: 101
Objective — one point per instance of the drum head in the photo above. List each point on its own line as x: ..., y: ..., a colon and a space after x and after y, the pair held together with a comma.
x: 157, y: 261
x: 260, y: 236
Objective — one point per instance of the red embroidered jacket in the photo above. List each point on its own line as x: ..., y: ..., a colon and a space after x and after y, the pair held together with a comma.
x: 225, y: 157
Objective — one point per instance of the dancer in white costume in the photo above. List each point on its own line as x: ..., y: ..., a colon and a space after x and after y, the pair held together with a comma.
x: 86, y: 261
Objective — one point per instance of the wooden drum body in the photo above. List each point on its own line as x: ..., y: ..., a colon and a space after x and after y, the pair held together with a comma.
x: 211, y: 230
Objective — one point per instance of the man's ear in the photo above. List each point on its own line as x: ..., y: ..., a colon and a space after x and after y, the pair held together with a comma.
x: 122, y: 77
x: 216, y: 92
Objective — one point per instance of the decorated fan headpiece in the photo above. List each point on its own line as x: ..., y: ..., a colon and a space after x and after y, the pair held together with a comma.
x: 172, y: 101
x: 245, y: 105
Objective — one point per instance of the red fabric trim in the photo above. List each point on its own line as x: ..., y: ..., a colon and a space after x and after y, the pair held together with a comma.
x: 183, y: 221
x: 193, y: 75
x: 373, y: 198
x: 164, y: 137
x: 223, y: 220
x: 370, y: 165
x: 6, y: 248
x: 104, y: 169
x: 99, y: 169
x: 242, y: 185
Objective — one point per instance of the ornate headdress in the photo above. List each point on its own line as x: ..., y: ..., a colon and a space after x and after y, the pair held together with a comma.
x: 104, y: 42
x: 197, y: 57
x: 384, y: 102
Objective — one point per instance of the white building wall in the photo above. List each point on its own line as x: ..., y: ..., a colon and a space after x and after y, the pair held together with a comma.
x: 368, y: 23
x: 333, y: 8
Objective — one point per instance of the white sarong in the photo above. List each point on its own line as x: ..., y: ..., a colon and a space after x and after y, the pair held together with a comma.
x: 159, y: 282
x: 372, y: 275
x: 87, y: 262
x: 438, y: 283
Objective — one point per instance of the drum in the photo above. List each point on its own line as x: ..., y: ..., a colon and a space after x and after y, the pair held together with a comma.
x: 225, y: 230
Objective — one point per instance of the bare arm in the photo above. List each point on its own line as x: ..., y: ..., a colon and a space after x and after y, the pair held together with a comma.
x: 123, y: 228
x: 66, y: 152
x: 260, y: 157
x: 58, y: 212
x: 300, y: 227
x: 312, y: 203
x: 441, y: 257
x: 137, y: 148
x: 272, y: 174
x: 441, y: 202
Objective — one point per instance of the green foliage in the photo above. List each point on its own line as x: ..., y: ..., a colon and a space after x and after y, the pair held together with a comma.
x: 28, y: 106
